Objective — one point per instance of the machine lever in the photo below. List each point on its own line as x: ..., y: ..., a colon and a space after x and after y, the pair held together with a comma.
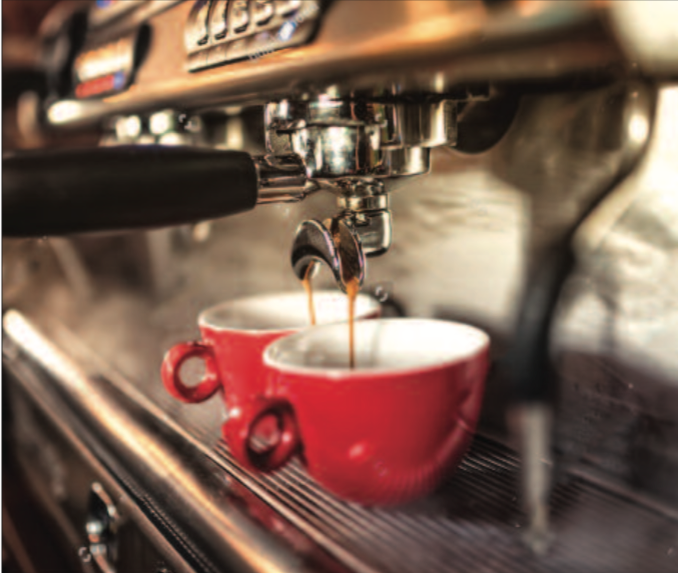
x: 62, y: 192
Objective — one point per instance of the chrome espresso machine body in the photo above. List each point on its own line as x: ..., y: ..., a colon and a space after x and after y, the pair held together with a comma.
x: 511, y: 164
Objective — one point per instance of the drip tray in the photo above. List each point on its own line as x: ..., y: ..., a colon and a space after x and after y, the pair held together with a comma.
x: 473, y: 523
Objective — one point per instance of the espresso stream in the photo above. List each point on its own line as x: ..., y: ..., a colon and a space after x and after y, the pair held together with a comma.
x: 352, y: 284
x: 308, y: 287
x: 352, y: 290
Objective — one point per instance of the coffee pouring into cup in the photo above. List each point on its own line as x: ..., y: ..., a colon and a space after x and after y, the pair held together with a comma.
x: 385, y: 383
x: 389, y: 429
x: 386, y: 431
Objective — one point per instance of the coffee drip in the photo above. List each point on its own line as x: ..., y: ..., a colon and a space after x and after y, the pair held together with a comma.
x: 352, y: 290
x: 350, y: 280
x: 308, y: 287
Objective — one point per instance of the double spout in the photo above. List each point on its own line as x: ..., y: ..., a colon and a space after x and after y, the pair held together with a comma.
x: 362, y: 229
x: 337, y: 245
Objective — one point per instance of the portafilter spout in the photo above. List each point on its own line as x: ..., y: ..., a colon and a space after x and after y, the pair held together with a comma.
x: 334, y: 243
x: 361, y: 229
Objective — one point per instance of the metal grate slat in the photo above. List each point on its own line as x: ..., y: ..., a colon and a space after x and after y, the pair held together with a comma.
x: 474, y: 522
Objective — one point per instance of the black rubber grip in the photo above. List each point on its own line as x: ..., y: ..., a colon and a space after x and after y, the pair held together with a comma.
x: 62, y: 192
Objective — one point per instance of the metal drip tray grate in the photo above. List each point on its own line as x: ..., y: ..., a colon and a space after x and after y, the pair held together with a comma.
x: 473, y: 523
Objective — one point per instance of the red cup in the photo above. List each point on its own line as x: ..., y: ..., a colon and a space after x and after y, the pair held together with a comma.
x: 234, y: 336
x: 388, y: 431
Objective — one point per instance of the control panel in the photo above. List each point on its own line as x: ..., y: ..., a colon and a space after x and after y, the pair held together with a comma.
x: 104, y: 69
x: 223, y: 31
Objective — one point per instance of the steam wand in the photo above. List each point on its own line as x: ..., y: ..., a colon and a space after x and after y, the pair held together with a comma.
x: 534, y: 387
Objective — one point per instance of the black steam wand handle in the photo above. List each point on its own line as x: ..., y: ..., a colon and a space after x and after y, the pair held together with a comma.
x: 529, y: 361
x: 63, y: 192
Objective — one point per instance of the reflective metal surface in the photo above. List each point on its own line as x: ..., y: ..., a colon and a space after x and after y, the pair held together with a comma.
x: 337, y: 245
x: 404, y: 162
x: 533, y: 426
x: 102, y: 525
x: 51, y: 444
x: 444, y: 43
x: 218, y: 33
x: 344, y: 137
x: 426, y: 124
x: 362, y: 229
x: 337, y: 152
x: 181, y: 481
x: 282, y: 181
x: 375, y: 229
x: 352, y: 146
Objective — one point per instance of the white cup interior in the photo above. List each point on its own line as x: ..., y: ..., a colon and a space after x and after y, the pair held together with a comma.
x: 284, y: 311
x: 385, y: 344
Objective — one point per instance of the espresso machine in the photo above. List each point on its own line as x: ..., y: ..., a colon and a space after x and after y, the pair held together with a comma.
x: 508, y: 163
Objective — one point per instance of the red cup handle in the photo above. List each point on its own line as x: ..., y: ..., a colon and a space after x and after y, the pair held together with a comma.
x: 244, y: 420
x: 171, y: 368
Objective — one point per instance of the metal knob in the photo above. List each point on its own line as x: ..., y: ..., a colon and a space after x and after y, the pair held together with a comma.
x: 101, y: 528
